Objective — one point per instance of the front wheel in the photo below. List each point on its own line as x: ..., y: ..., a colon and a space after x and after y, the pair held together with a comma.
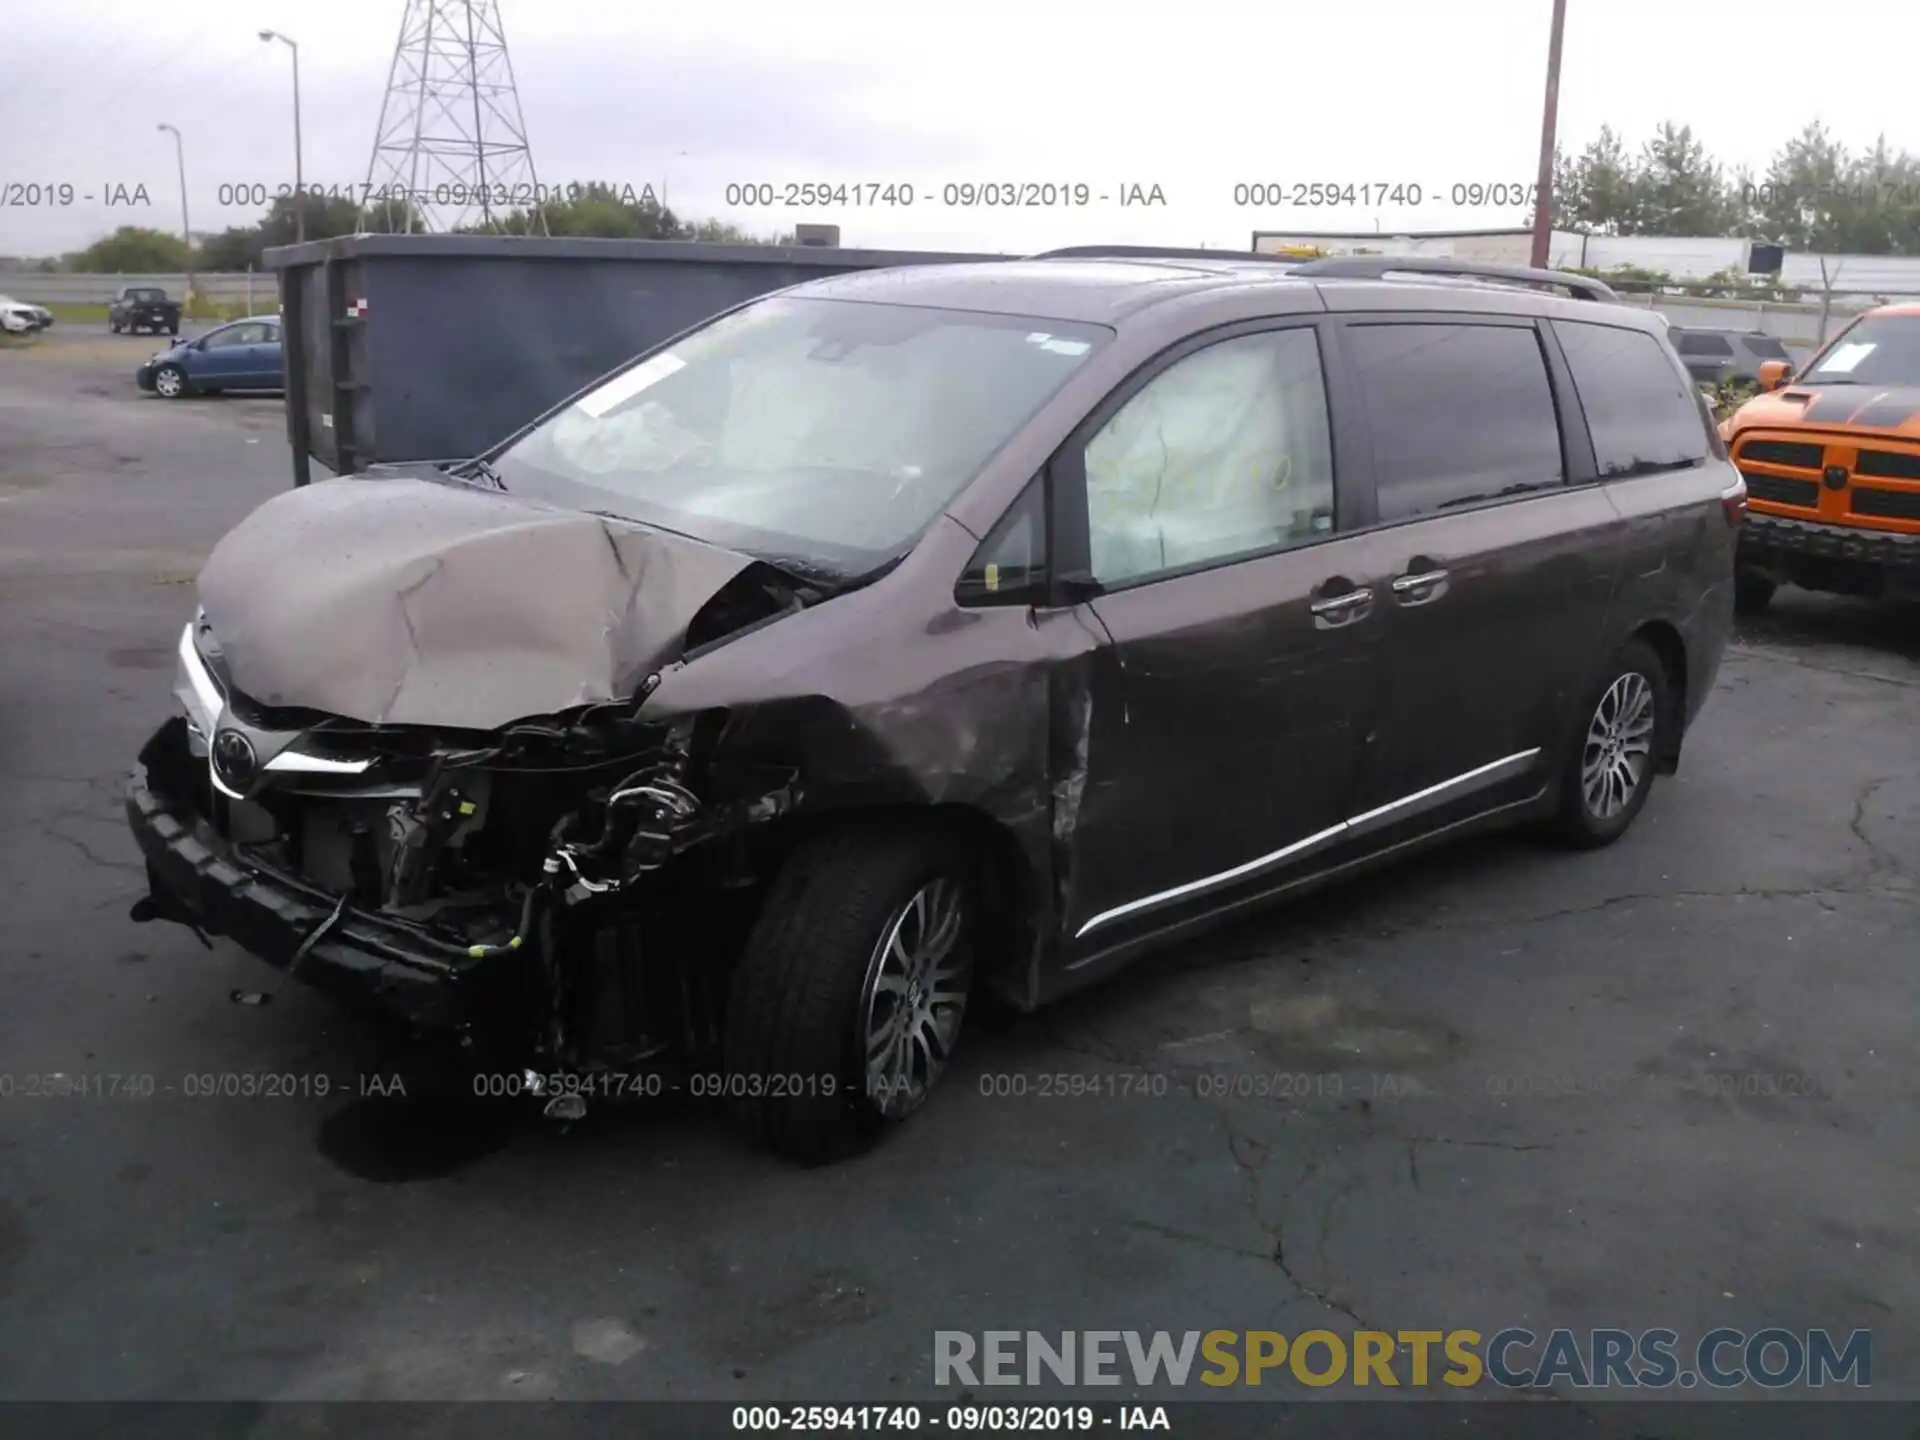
x: 1608, y: 772
x: 848, y: 998
x: 169, y: 382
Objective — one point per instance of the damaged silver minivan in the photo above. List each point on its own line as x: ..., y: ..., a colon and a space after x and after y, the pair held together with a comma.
x: 918, y: 632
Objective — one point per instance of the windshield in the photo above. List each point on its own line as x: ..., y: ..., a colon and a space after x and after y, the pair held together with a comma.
x: 146, y: 295
x: 1877, y: 350
x: 822, y: 431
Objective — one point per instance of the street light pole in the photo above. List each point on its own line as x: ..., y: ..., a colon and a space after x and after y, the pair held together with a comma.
x: 1543, y: 189
x: 186, y: 224
x: 299, y: 188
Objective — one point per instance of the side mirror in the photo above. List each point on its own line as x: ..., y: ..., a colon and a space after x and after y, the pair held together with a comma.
x: 1774, y: 374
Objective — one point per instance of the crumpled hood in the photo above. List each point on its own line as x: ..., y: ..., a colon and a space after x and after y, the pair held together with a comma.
x: 416, y: 602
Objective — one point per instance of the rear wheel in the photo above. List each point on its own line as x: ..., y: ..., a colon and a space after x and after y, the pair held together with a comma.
x: 1751, y: 594
x: 849, y: 995
x: 1609, y: 771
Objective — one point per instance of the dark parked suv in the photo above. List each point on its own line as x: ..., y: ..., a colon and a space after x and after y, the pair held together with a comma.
x: 909, y: 633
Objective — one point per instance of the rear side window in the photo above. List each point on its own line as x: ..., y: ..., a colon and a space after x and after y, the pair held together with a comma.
x: 1694, y: 343
x: 1460, y: 414
x: 1767, y: 348
x: 1641, y: 414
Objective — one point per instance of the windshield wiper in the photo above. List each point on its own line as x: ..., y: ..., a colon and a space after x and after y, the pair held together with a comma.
x: 481, y: 470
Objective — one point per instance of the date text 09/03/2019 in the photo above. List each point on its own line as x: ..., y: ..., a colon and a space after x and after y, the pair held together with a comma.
x: 953, y: 195
x: 964, y: 1419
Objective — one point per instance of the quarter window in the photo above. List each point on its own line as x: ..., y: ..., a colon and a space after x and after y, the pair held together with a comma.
x: 1010, y: 567
x: 1460, y: 414
x: 1225, y: 453
x: 1641, y: 415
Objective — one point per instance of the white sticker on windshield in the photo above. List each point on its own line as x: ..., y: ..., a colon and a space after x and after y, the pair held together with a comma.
x: 1065, y: 347
x: 625, y: 386
x: 1847, y: 357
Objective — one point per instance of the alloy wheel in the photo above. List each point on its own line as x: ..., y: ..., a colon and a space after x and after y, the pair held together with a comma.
x: 915, y: 995
x: 168, y: 384
x: 1619, y: 747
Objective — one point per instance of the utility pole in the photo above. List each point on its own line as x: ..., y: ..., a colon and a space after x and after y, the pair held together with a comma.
x: 299, y: 188
x: 1543, y: 190
x: 186, y: 225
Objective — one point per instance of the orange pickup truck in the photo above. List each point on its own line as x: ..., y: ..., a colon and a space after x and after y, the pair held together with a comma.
x: 1831, y: 457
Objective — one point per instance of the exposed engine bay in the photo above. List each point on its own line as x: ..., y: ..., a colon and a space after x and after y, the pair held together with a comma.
x: 576, y: 853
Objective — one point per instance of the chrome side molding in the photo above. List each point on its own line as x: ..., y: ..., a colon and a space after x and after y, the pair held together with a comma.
x: 1407, y: 806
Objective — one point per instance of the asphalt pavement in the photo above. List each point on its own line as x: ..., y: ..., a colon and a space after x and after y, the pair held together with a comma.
x: 1670, y: 1083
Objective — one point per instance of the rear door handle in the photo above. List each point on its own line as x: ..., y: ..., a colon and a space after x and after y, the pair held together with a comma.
x: 1420, y: 587
x: 1343, y: 609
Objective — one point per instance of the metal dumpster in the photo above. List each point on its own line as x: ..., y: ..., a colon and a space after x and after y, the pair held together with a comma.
x: 431, y: 347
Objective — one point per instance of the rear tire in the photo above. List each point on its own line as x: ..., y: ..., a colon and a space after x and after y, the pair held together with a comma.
x: 1751, y: 594
x: 1609, y: 766
x: 850, y: 992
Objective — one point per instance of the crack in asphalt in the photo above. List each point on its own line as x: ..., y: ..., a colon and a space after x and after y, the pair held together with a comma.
x: 87, y: 850
x: 1878, y: 855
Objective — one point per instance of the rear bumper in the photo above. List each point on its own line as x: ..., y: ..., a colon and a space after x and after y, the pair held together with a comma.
x: 1825, y: 557
x: 369, y: 961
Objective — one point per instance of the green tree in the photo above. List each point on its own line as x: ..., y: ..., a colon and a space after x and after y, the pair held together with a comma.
x: 1681, y: 190
x: 1793, y: 198
x: 1600, y: 190
x: 133, y: 250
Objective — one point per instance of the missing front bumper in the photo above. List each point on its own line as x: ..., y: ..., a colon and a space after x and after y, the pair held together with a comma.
x: 367, y: 960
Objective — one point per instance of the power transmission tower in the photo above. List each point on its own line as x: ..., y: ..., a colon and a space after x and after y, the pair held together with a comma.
x: 451, y: 138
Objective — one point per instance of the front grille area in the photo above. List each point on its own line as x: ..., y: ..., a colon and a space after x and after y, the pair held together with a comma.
x: 1782, y: 491
x: 1782, y: 452
x: 1887, y: 504
x: 1888, y: 464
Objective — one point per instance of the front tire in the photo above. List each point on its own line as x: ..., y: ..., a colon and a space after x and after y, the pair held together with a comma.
x: 170, y: 382
x: 1609, y: 769
x: 848, y: 997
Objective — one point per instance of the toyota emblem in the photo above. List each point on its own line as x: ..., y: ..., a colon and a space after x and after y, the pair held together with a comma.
x: 233, y: 759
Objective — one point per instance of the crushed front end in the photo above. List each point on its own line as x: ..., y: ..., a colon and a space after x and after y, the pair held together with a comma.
x: 543, y: 893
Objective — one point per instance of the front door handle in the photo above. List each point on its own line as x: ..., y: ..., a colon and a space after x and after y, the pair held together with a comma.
x: 1420, y: 587
x: 1342, y: 609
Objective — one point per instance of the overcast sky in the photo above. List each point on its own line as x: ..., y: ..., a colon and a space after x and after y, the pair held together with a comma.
x: 1192, y: 97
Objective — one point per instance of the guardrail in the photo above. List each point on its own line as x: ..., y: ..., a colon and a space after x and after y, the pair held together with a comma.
x: 257, y: 289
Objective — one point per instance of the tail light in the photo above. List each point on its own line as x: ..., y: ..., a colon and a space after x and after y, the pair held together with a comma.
x: 1733, y: 502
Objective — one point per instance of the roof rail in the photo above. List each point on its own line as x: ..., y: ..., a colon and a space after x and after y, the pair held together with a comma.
x: 1156, y: 252
x: 1379, y: 267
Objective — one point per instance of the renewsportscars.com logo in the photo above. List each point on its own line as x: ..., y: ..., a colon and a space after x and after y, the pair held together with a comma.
x: 1721, y: 1359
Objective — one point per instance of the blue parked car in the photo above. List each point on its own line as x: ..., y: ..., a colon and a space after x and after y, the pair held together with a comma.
x: 245, y: 355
